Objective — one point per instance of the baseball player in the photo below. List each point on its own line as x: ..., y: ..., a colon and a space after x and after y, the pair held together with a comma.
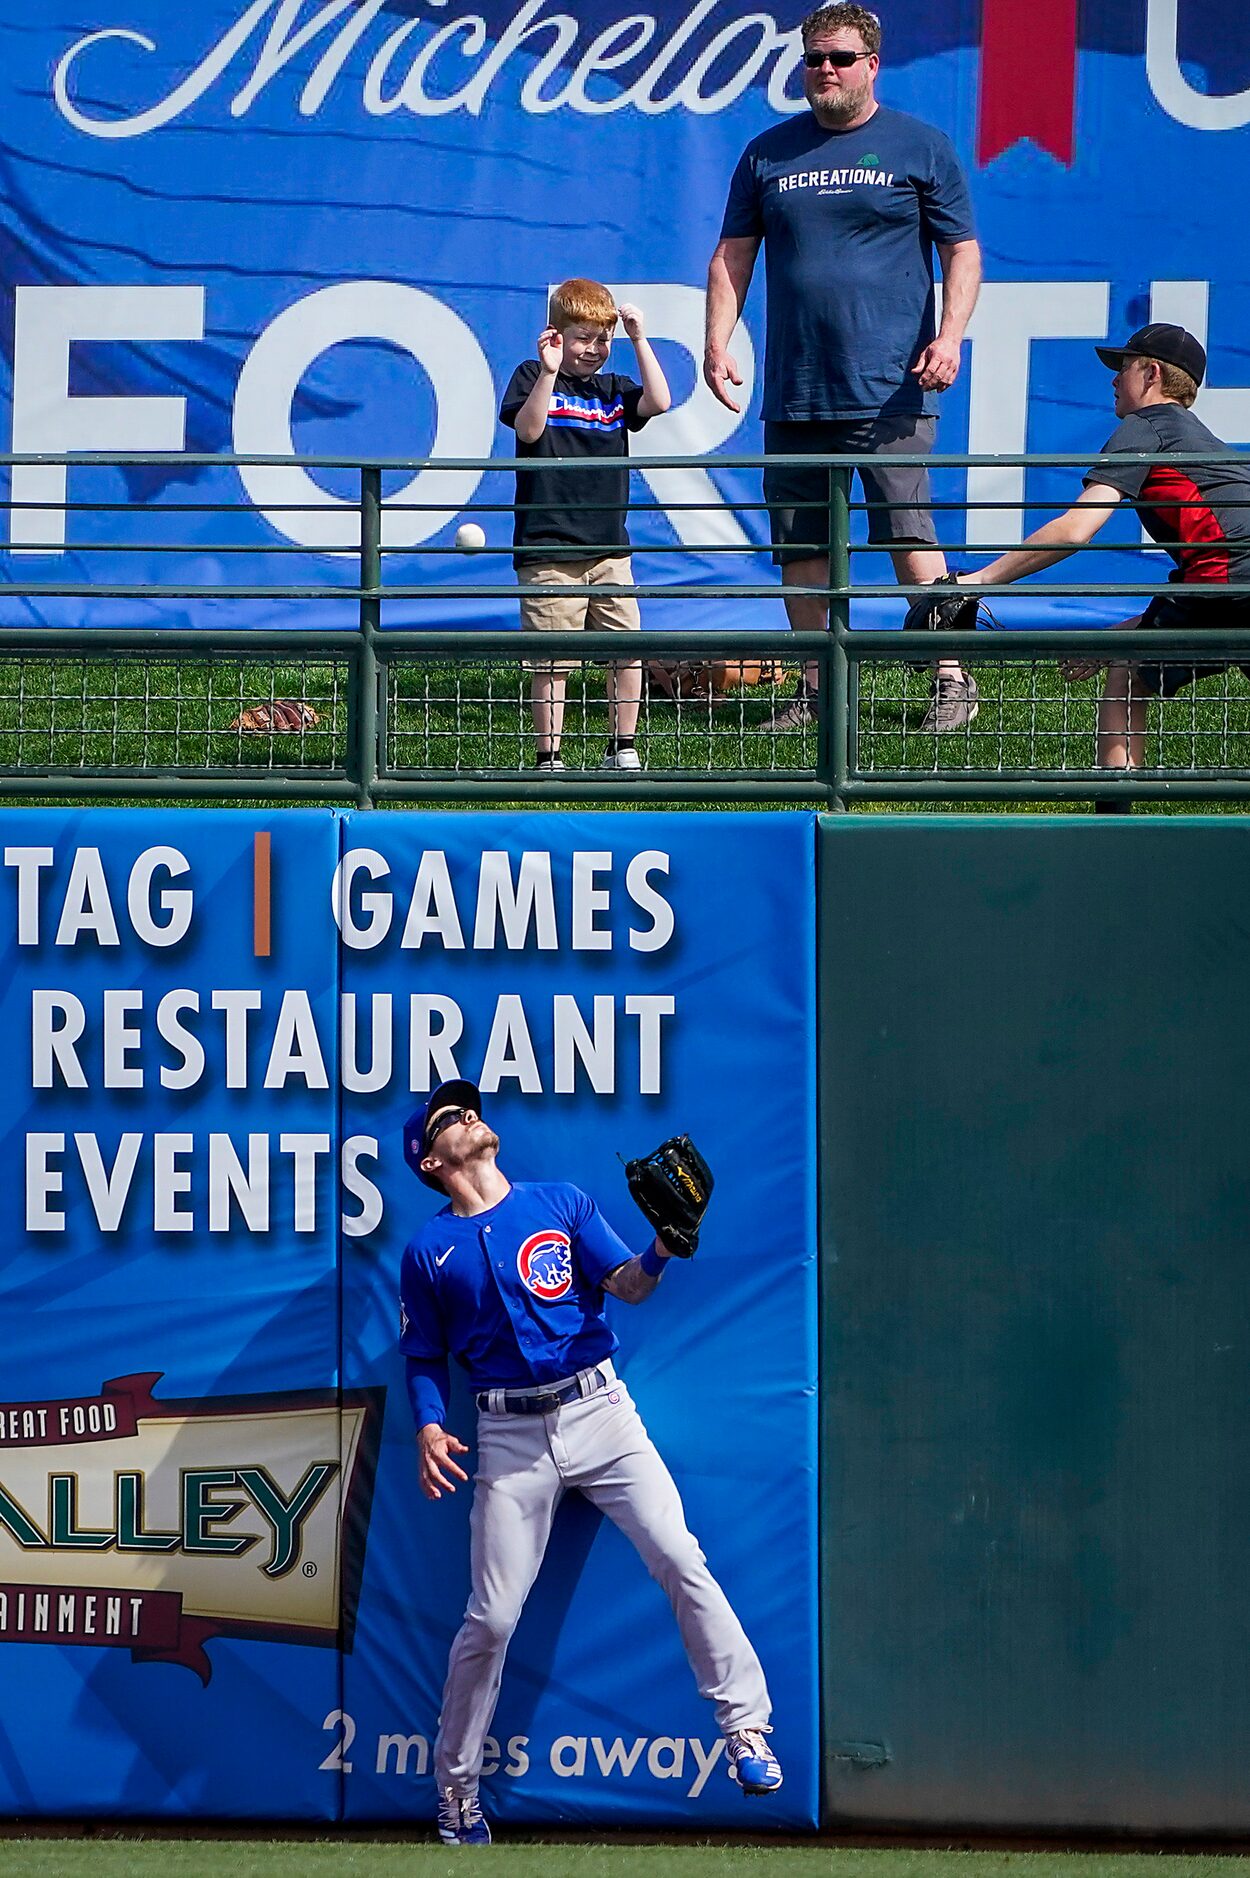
x: 510, y: 1280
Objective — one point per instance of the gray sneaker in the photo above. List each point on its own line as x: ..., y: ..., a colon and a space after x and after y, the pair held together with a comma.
x: 953, y: 705
x: 797, y: 715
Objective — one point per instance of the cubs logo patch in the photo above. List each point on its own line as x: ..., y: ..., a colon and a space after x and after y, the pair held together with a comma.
x: 545, y: 1262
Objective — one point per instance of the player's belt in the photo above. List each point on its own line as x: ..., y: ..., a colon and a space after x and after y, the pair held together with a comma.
x: 587, y: 1382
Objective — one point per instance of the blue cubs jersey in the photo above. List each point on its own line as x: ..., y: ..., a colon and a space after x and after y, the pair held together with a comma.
x: 515, y: 1294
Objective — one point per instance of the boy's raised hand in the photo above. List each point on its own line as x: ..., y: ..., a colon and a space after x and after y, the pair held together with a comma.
x: 631, y: 320
x: 550, y: 349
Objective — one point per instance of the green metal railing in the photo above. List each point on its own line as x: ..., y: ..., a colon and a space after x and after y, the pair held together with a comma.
x: 399, y: 714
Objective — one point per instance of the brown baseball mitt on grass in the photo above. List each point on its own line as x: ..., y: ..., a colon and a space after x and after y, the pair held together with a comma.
x: 710, y: 678
x: 282, y: 714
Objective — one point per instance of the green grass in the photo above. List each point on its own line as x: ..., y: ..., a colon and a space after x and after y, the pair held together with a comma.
x: 132, y: 713
x: 1030, y: 720
x: 66, y: 716
x: 101, y: 1857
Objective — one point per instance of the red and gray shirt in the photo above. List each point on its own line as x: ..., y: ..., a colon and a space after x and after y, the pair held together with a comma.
x: 1203, y: 507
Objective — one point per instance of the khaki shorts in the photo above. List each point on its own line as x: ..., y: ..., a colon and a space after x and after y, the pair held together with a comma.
x: 576, y: 612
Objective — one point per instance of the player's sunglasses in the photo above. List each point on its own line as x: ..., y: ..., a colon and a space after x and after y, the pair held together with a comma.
x: 448, y: 1119
x: 841, y: 60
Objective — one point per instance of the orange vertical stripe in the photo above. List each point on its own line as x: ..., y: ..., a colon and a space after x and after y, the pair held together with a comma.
x: 261, y: 894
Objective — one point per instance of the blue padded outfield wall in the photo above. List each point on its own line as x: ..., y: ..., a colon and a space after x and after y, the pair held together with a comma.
x: 206, y: 1451
x: 329, y: 226
x: 1011, y: 1596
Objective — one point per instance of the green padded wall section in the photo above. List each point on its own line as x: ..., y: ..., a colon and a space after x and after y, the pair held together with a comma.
x: 1035, y: 1056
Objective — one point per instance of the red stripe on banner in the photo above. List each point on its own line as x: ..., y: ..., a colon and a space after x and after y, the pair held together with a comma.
x: 1028, y: 77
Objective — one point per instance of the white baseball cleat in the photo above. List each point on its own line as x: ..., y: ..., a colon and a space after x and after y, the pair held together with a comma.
x: 461, y: 1820
x: 752, y: 1761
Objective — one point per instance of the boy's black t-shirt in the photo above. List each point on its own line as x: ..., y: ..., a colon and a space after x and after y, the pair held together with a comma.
x: 567, y: 514
x: 1203, y: 507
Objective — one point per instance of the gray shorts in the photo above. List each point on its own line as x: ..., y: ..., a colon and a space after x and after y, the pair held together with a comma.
x: 799, y: 532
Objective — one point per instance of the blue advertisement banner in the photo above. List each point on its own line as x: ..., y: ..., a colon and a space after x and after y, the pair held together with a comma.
x: 177, y: 1463
x: 221, y: 1592
x: 607, y: 980
x: 329, y: 226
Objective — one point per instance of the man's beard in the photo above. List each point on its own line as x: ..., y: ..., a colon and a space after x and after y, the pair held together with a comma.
x: 840, y: 107
x: 483, y: 1145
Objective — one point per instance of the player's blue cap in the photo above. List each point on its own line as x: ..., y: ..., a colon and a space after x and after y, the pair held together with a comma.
x: 457, y: 1094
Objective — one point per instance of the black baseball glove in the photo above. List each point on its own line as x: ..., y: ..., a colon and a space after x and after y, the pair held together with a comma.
x: 672, y: 1186
x: 946, y: 607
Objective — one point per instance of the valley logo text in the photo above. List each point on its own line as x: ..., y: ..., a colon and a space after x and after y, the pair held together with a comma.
x: 123, y: 1525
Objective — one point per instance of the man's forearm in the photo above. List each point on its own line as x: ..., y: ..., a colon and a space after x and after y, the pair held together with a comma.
x: 638, y: 1277
x: 429, y: 1384
x: 631, y: 1284
x: 961, y: 283
x: 1055, y: 540
x: 727, y: 283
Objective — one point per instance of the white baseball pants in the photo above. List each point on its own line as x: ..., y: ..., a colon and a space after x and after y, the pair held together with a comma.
x: 526, y: 1463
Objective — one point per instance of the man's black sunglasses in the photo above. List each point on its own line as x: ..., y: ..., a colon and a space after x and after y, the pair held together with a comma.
x: 841, y: 60
x: 447, y: 1119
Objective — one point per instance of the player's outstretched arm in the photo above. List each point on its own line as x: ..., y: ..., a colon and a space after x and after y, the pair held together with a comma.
x: 1053, y: 541
x: 435, y: 1448
x: 638, y: 1277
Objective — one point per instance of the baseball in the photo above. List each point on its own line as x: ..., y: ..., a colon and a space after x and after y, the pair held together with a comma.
x: 470, y: 535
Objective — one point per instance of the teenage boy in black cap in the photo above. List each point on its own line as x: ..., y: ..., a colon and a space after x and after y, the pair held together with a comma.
x: 1200, y: 512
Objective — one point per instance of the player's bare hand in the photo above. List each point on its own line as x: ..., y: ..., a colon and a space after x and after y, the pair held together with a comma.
x: 632, y: 321
x: 1072, y: 671
x: 550, y: 349
x: 435, y: 1448
x: 938, y: 365
x: 720, y: 371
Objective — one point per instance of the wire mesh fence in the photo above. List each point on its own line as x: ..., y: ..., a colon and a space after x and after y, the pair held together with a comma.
x: 696, y: 718
x: 1032, y: 723
x: 375, y: 710
x: 99, y: 713
x: 726, y: 721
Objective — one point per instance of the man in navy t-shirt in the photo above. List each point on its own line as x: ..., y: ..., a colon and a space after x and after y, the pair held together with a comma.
x: 1200, y: 512
x: 849, y: 202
